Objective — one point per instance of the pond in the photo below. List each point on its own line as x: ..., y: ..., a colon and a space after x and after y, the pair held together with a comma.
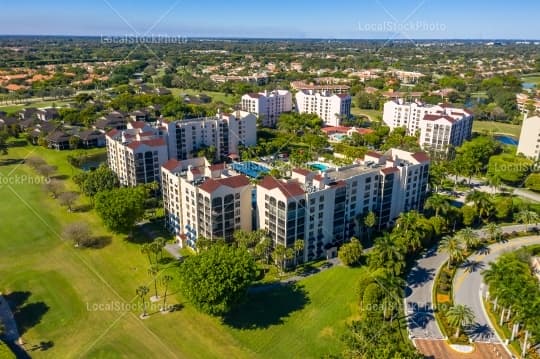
x: 507, y: 140
x: 92, y: 162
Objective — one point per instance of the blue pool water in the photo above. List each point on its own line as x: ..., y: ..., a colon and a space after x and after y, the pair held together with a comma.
x: 250, y: 169
x: 506, y: 140
x: 319, y: 166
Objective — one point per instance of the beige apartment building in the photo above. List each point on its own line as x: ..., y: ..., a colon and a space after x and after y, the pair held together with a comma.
x: 331, y: 108
x: 267, y: 105
x: 529, y: 139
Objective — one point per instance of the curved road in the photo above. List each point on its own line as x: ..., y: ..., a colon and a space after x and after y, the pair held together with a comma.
x: 469, y: 286
x: 418, y: 294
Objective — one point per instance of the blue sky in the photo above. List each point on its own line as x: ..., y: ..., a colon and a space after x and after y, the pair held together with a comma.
x: 483, y: 19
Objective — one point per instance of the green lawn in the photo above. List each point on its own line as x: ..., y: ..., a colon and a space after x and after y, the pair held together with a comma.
x: 533, y: 78
x: 496, y: 127
x: 375, y: 115
x: 216, y: 96
x: 15, y: 108
x: 65, y: 295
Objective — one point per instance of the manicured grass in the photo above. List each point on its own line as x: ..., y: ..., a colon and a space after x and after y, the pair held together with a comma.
x: 496, y: 127
x: 533, y: 78
x: 303, y: 321
x: 216, y: 96
x: 65, y: 295
x: 15, y: 108
x: 375, y: 115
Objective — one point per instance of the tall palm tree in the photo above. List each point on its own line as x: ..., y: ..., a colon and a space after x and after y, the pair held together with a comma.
x: 160, y: 245
x: 279, y: 256
x: 145, y: 249
x: 370, y: 221
x: 388, y: 254
x: 438, y: 203
x: 482, y: 203
x: 153, y: 271
x: 298, y: 248
x: 469, y: 237
x: 165, y: 281
x: 142, y: 291
x: 459, y: 316
x: 454, y: 248
x: 407, y: 221
x: 527, y: 218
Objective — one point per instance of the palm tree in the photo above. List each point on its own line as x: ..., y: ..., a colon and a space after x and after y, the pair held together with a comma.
x: 160, y: 244
x: 469, y: 237
x: 407, y: 221
x: 279, y: 256
x: 482, y: 203
x: 145, y: 249
x: 494, y: 181
x: 165, y: 281
x: 142, y: 291
x: 153, y: 271
x: 453, y: 247
x: 439, y: 203
x: 386, y: 253
x: 298, y: 248
x: 370, y: 221
x: 527, y: 217
x: 494, y: 231
x: 459, y: 316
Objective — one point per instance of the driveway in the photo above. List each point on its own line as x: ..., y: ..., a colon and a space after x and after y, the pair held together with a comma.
x: 469, y: 286
x: 418, y: 293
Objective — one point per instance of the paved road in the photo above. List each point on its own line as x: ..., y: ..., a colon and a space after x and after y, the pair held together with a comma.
x: 418, y: 294
x: 469, y: 286
x: 11, y: 334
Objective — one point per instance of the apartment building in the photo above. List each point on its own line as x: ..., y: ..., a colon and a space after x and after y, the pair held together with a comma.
x: 529, y: 139
x: 203, y: 200
x: 267, y: 105
x: 137, y: 153
x: 525, y: 103
x: 331, y: 108
x: 328, y: 87
x: 225, y: 131
x: 439, y: 126
x: 326, y: 208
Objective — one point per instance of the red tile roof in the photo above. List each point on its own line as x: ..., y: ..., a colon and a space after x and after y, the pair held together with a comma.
x: 438, y: 117
x: 289, y: 189
x: 217, y: 166
x: 389, y: 170
x: 421, y: 157
x: 302, y: 171
x: 138, y: 124
x: 151, y: 143
x: 373, y: 154
x: 171, y: 165
x: 112, y: 133
x: 211, y: 185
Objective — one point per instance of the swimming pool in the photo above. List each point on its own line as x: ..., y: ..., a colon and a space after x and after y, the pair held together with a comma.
x: 506, y: 140
x: 319, y: 166
x: 250, y: 169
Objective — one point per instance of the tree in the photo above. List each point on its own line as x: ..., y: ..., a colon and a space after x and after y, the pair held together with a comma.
x: 218, y: 278
x: 469, y: 237
x: 102, y: 179
x: 121, y: 208
x: 494, y: 232
x: 142, y: 291
x: 159, y: 245
x: 79, y: 233
x: 533, y: 182
x: 165, y: 280
x: 453, y: 247
x: 350, y: 253
x: 370, y: 221
x: 438, y: 203
x: 68, y: 199
x: 54, y: 187
x: 3, y: 143
x: 482, y: 203
x: 459, y: 316
x: 469, y: 215
x: 46, y: 170
x: 153, y: 271
x: 509, y: 168
x: 263, y: 249
x: 527, y: 218
x: 146, y: 250
x: 387, y: 254
x: 279, y: 256
x: 298, y: 249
